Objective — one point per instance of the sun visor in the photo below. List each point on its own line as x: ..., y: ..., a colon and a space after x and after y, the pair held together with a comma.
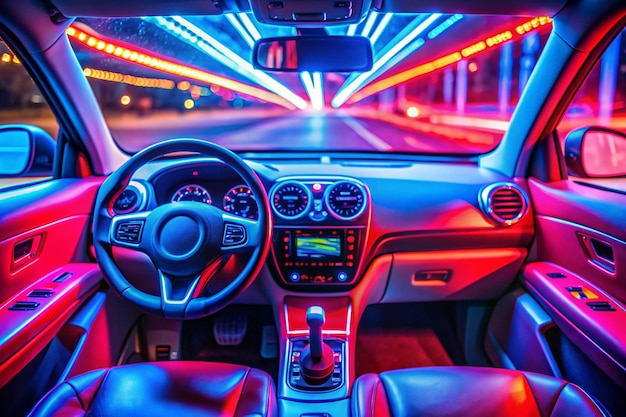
x: 133, y: 8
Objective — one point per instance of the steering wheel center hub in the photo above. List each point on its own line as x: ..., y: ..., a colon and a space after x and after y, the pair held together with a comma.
x: 180, y: 237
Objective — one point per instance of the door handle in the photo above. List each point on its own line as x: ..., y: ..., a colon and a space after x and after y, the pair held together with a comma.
x: 26, y: 251
x: 600, y: 252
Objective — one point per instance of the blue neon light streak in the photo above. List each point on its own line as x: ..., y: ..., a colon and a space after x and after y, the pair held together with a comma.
x: 208, y: 44
x: 318, y: 83
x: 314, y: 88
x: 240, y: 29
x: 348, y: 89
x: 381, y: 26
x: 369, y: 23
x: 254, y: 32
x: 438, y: 30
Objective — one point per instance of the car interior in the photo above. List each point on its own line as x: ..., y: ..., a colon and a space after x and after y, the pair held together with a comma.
x: 238, y: 253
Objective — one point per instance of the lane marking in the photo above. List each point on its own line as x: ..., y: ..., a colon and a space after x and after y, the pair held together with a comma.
x: 365, y: 134
x: 422, y: 146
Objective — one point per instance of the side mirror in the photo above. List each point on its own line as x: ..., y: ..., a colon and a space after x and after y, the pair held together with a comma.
x: 25, y: 151
x: 313, y: 53
x: 595, y: 152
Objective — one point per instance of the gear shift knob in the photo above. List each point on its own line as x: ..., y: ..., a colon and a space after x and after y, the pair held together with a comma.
x: 315, y: 319
x: 317, y: 358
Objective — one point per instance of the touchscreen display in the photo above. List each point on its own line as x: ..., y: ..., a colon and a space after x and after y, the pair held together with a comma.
x: 318, y: 247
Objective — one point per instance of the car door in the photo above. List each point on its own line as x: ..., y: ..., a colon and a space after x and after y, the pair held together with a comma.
x: 46, y: 272
x: 575, y: 321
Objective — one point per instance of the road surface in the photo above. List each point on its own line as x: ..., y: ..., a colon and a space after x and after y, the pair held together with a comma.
x: 303, y: 131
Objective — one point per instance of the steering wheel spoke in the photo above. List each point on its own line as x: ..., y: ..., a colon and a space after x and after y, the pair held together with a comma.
x: 127, y: 230
x: 239, y: 234
x: 177, y: 291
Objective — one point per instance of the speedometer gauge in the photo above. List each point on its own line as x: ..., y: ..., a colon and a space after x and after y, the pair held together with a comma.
x: 192, y: 192
x: 291, y: 199
x: 240, y: 202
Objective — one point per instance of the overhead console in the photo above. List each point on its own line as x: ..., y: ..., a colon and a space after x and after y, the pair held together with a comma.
x: 320, y: 229
x: 309, y: 13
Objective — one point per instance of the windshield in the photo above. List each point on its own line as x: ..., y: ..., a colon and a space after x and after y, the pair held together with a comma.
x: 440, y: 84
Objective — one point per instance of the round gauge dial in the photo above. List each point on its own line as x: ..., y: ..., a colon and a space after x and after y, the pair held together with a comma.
x: 192, y: 192
x: 240, y: 202
x: 132, y: 199
x: 291, y: 199
x: 126, y: 201
x: 346, y: 200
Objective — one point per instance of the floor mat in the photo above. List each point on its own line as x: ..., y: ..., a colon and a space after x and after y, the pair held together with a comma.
x: 405, y: 336
x: 198, y: 342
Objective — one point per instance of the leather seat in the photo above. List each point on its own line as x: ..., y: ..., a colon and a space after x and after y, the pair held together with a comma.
x: 468, y: 391
x: 164, y: 389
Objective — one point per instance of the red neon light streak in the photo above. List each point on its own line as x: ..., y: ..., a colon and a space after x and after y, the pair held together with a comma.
x: 148, y: 59
x: 470, y: 50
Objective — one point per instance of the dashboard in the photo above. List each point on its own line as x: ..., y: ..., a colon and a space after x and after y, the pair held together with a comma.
x: 333, y: 219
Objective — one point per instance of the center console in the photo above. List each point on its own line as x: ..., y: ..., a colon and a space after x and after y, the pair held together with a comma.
x: 320, y: 234
x: 320, y: 231
x: 315, y: 364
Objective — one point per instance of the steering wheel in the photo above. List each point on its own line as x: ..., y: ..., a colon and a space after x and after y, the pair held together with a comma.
x: 182, y: 239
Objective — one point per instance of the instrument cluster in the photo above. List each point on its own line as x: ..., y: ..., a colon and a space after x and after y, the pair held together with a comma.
x: 238, y: 200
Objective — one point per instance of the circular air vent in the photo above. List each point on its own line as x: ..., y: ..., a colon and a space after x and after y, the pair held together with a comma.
x: 504, y: 203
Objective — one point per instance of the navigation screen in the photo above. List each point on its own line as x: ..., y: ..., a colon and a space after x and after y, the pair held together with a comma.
x: 318, y: 247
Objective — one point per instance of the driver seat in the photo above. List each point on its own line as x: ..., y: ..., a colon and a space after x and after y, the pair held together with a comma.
x: 163, y: 389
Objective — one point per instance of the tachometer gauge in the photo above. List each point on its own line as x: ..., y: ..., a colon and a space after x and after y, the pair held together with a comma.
x: 291, y: 199
x: 192, y: 192
x: 240, y: 202
x: 346, y: 200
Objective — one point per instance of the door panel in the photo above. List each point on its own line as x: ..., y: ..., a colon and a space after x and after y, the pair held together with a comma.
x: 577, y: 272
x: 43, y: 235
x: 56, y: 215
x: 582, y: 229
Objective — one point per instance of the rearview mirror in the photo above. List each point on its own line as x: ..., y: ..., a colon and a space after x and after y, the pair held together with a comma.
x: 595, y: 152
x: 25, y: 151
x: 313, y: 53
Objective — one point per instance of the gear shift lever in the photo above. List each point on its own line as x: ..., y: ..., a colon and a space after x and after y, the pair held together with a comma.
x: 315, y: 320
x: 316, y: 360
